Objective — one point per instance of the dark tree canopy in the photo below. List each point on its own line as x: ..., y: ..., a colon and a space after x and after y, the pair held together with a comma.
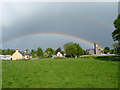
x: 116, y: 48
x: 67, y: 44
x: 73, y: 50
x: 116, y: 32
x: 106, y: 50
x: 39, y: 52
x: 33, y: 52
x: 49, y: 52
x: 7, y: 51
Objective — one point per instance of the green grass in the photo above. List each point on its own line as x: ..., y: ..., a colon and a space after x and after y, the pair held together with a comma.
x: 60, y: 73
x: 0, y: 74
x: 95, y: 56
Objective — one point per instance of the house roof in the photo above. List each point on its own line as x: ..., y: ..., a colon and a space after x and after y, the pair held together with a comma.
x: 24, y: 53
x: 35, y: 55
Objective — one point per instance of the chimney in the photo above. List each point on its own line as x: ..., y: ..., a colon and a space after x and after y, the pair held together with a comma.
x: 17, y: 50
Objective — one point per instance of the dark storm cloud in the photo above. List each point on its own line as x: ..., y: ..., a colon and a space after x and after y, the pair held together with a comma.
x: 91, y: 21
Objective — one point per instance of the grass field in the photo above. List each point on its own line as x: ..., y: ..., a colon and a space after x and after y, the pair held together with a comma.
x: 60, y: 73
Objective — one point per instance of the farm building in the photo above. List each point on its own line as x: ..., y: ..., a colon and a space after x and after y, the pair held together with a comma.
x: 5, y: 57
x: 21, y: 55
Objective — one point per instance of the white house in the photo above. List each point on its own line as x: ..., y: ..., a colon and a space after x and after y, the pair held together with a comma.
x: 5, y: 57
x: 59, y: 54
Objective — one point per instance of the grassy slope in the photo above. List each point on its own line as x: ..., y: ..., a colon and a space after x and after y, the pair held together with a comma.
x: 60, y: 73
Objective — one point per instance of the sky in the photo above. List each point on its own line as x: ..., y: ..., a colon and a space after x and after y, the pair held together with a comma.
x: 91, y: 21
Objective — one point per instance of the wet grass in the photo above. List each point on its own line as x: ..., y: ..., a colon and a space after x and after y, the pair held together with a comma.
x: 60, y: 73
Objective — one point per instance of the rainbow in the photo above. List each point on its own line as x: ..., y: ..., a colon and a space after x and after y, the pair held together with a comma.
x: 52, y: 34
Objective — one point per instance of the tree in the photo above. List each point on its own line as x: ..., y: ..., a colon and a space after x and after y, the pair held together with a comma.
x: 112, y: 51
x: 102, y: 51
x: 67, y: 44
x: 58, y: 50
x: 54, y: 51
x: 62, y: 52
x: 46, y: 55
x: 4, y: 52
x: 8, y: 52
x: 116, y: 32
x: 49, y: 52
x: 116, y: 50
x: 80, y: 51
x: 0, y: 51
x: 106, y: 50
x: 39, y: 52
x: 73, y: 50
x: 85, y: 53
x: 12, y: 51
x: 33, y: 52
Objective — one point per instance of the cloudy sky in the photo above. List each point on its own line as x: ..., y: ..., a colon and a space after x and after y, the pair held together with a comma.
x: 92, y: 21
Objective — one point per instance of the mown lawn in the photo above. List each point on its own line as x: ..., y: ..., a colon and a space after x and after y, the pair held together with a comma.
x: 60, y: 73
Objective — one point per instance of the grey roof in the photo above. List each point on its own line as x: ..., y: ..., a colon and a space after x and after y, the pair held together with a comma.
x: 24, y: 53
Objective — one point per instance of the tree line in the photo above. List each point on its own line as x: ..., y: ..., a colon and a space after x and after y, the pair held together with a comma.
x: 107, y: 50
x: 70, y: 49
x: 7, y: 51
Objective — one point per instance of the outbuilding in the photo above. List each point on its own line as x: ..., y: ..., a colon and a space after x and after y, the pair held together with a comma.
x: 5, y: 57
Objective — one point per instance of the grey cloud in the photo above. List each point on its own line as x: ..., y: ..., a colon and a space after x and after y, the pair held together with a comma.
x: 91, y: 21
